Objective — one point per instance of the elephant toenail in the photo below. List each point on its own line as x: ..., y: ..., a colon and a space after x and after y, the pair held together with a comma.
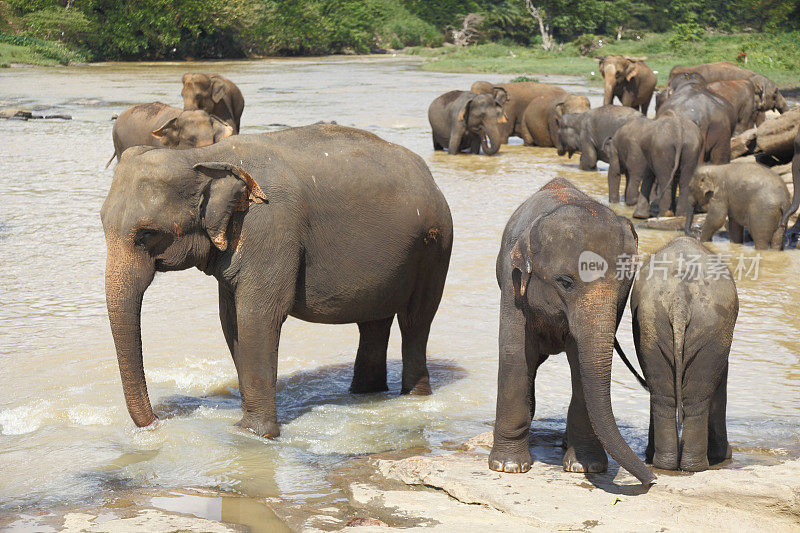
x: 511, y: 468
x: 496, y: 465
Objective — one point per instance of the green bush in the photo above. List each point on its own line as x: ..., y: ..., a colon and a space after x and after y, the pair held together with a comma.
x: 68, y: 25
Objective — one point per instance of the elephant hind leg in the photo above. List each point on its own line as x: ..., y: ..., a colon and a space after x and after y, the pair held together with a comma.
x: 436, y: 145
x: 369, y: 371
x: 718, y: 447
x: 735, y: 231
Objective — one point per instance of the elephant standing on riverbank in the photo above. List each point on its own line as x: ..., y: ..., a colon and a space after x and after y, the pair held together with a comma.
x: 629, y: 79
x: 215, y: 95
x: 463, y: 120
x: 550, y: 303
x: 663, y: 152
x: 324, y: 223
x: 520, y: 94
x: 590, y: 131
x: 683, y: 320
x: 164, y: 126
x: 540, y: 123
x: 747, y: 195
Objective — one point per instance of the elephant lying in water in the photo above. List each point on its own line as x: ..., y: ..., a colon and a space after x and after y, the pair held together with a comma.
x: 324, y: 223
x: 683, y: 320
x: 550, y: 303
x: 161, y: 126
x: 464, y: 120
x: 215, y: 95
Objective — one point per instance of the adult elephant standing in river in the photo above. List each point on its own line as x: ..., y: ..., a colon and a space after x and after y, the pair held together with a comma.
x: 463, y: 120
x: 324, y: 223
x: 552, y: 301
x: 520, y: 94
x: 215, y: 95
x: 628, y: 79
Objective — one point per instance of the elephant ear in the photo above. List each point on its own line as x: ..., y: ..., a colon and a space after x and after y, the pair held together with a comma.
x: 230, y: 189
x: 464, y: 113
x: 221, y: 129
x: 186, y: 77
x: 168, y: 133
x: 632, y: 70
x: 500, y: 95
x: 521, y: 263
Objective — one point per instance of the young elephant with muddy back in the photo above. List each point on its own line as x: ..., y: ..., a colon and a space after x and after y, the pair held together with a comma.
x: 557, y: 296
x: 540, y: 123
x: 589, y: 132
x: 747, y: 195
x: 324, y: 223
x: 655, y: 156
x: 684, y: 307
x: 463, y: 120
x: 164, y: 126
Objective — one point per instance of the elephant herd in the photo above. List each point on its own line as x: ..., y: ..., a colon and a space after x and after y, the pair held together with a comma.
x: 697, y: 113
x: 334, y: 225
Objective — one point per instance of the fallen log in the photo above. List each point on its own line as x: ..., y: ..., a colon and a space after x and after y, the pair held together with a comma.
x: 744, y: 143
x: 776, y: 137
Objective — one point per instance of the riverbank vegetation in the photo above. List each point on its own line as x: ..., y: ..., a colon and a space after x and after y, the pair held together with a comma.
x: 557, y: 36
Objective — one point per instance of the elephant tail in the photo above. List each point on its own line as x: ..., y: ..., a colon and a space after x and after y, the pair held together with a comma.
x: 679, y: 319
x: 639, y: 378
x: 112, y: 158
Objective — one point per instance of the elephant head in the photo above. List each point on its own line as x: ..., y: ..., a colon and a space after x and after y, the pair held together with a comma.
x: 677, y: 82
x: 569, y: 133
x: 617, y: 71
x: 483, y: 115
x: 482, y: 87
x: 767, y: 95
x: 572, y: 104
x: 701, y: 189
x: 192, y: 129
x: 564, y: 266
x: 201, y: 91
x: 162, y: 213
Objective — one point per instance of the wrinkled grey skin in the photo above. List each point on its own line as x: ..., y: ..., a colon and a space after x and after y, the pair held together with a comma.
x: 215, y: 95
x: 795, y: 189
x: 463, y: 120
x: 545, y: 309
x: 324, y: 223
x: 688, y: 96
x: 628, y: 79
x: 664, y: 152
x: 741, y: 94
x: 589, y: 132
x: 161, y: 126
x: 748, y: 195
x: 683, y: 327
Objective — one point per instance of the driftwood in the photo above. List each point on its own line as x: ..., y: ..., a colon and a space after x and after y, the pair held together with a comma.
x: 744, y: 143
x: 776, y: 137
x: 672, y: 223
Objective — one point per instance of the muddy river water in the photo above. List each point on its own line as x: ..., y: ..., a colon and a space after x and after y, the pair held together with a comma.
x: 66, y: 441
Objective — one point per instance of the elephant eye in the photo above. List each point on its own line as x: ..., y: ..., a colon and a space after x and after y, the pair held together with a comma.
x: 145, y: 237
x: 566, y: 282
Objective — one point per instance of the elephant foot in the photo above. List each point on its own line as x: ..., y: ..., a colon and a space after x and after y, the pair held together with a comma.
x: 665, y: 461
x: 613, y: 199
x: 510, y: 456
x: 262, y: 428
x: 585, y: 461
x: 641, y: 213
x: 718, y: 455
x: 698, y: 464
x: 422, y: 387
x: 368, y: 387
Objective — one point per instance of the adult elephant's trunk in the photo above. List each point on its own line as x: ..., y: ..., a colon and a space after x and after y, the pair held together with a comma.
x: 781, y: 104
x: 128, y: 274
x: 490, y: 140
x: 593, y: 328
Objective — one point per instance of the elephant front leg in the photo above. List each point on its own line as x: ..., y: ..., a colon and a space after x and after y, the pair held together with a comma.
x: 256, y: 359
x: 369, y: 371
x: 510, y: 451
x: 585, y: 452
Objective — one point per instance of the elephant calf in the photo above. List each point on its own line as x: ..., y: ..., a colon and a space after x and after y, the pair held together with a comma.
x: 684, y: 311
x: 464, y: 120
x: 540, y: 123
x: 161, y: 126
x: 559, y: 294
x: 215, y: 95
x: 663, y: 152
x: 748, y: 195
x: 589, y: 132
x: 324, y: 223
